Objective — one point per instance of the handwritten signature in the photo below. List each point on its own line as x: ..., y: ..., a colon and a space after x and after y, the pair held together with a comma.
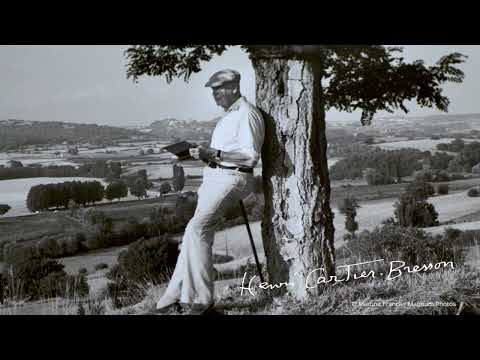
x: 314, y: 278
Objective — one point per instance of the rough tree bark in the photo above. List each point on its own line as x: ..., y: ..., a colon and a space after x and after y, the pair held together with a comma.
x: 297, y: 227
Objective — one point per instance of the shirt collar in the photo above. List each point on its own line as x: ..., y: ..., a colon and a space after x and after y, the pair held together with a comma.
x: 236, y: 105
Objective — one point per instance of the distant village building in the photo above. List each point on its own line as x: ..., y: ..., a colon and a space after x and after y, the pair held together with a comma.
x: 476, y: 169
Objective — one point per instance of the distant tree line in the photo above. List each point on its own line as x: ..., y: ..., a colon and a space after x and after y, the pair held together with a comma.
x: 440, y: 160
x: 43, y: 197
x: 379, y: 167
x: 15, y: 134
x: 64, y: 195
x: 456, y: 146
x: 98, y: 169
x: 466, y: 159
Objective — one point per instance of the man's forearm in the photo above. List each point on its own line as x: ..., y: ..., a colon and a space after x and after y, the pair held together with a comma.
x: 236, y: 157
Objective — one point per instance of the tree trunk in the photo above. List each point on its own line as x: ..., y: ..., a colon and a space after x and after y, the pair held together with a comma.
x: 297, y: 227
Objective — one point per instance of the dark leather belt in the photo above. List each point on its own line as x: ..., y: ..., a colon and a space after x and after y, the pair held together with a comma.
x: 242, y: 170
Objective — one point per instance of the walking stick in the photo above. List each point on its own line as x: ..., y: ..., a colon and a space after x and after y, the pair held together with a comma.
x: 244, y: 213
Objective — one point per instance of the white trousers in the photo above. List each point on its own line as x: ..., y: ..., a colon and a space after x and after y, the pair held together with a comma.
x: 193, y: 279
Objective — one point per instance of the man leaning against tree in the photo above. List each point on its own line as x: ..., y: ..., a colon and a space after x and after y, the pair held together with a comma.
x: 234, y: 152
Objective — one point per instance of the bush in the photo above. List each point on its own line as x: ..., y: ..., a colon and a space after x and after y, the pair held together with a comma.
x: 420, y: 190
x: 130, y: 232
x: 165, y: 188
x: 443, y: 189
x: 473, y: 192
x: 50, y: 248
x: 413, y: 246
x: 4, y: 209
x: 441, y: 176
x: 40, y: 277
x: 424, y: 176
x: 145, y: 262
x: 62, y: 285
x: 456, y: 176
x: 101, y: 266
x: 411, y: 212
x: 375, y: 177
x: 103, y: 230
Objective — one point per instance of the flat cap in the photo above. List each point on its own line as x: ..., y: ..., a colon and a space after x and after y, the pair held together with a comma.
x: 222, y: 77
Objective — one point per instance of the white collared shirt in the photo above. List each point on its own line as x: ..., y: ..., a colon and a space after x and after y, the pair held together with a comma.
x: 241, y: 129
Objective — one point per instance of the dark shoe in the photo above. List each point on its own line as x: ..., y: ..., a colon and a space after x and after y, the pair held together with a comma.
x: 169, y: 307
x: 202, y: 310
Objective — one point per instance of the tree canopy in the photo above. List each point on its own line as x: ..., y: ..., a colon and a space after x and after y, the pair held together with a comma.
x: 369, y: 78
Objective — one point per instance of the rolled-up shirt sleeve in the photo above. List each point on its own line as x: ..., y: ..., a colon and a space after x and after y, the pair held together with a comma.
x: 251, y: 134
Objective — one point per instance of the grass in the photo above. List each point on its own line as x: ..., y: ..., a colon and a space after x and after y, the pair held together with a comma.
x: 381, y: 192
x: 89, y: 260
x: 33, y: 228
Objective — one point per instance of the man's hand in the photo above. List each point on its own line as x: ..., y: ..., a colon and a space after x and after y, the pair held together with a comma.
x: 204, y: 154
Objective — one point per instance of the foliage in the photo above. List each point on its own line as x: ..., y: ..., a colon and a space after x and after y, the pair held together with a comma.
x: 101, y: 266
x: 413, y: 246
x: 374, y: 177
x: 420, y: 190
x: 413, y: 212
x: 39, y: 276
x: 116, y: 190
x: 4, y: 209
x: 146, y: 262
x: 467, y: 158
x: 386, y: 166
x: 138, y: 188
x: 456, y: 145
x: 97, y: 169
x: 43, y: 197
x: 165, y: 188
x: 412, y: 209
x: 473, y: 192
x: 443, y: 189
x: 367, y: 78
x: 103, y: 228
x: 178, y: 178
x: 440, y: 160
x: 348, y: 207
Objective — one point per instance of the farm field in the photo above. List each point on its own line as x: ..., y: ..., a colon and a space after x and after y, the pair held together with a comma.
x: 90, y: 260
x: 474, y: 225
x: 422, y: 145
x: 364, y: 192
x: 370, y: 215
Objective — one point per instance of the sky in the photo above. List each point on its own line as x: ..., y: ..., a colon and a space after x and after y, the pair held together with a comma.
x: 88, y: 84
